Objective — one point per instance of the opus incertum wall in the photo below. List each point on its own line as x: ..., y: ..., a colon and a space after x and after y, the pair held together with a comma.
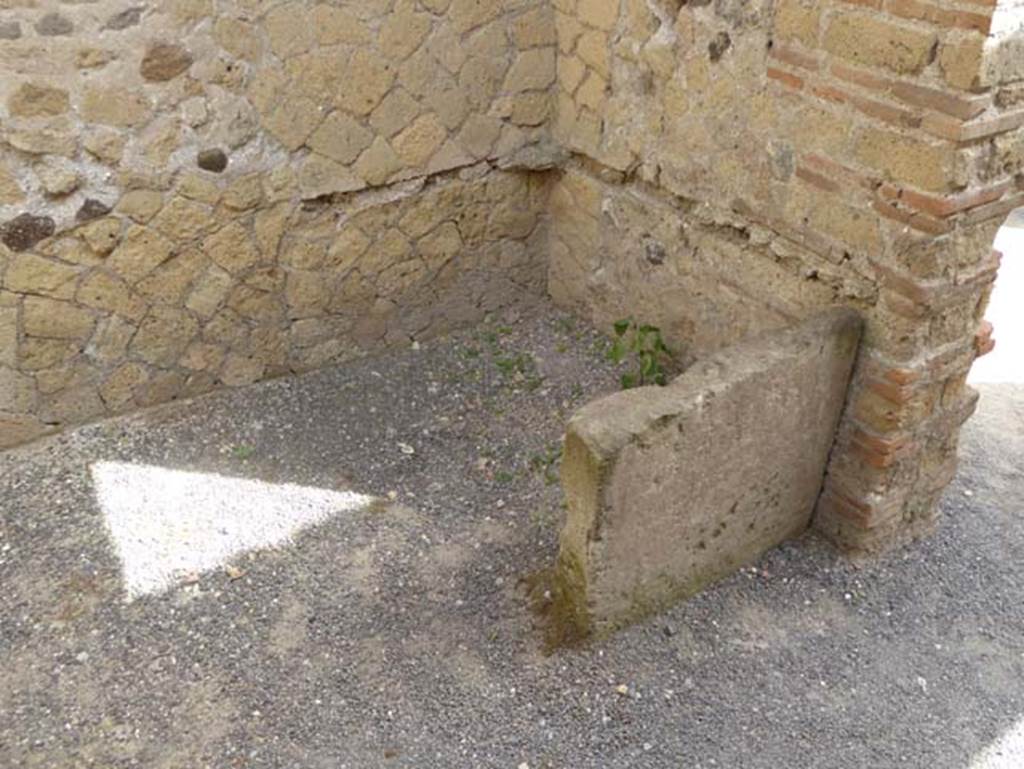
x: 197, y: 194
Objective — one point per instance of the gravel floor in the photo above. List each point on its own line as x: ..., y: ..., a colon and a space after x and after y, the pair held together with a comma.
x: 397, y: 634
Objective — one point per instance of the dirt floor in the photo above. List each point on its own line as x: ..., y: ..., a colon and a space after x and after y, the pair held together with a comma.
x: 392, y: 631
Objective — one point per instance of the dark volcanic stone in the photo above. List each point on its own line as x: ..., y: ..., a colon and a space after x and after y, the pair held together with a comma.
x: 53, y: 25
x: 212, y: 160
x: 91, y: 209
x: 719, y: 45
x: 10, y: 30
x: 126, y: 18
x: 24, y: 231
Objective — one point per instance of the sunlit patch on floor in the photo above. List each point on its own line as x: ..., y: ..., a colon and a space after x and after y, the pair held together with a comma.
x: 170, y: 524
x: 1005, y: 753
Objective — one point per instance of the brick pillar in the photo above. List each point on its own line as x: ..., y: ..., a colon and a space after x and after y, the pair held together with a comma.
x: 942, y: 179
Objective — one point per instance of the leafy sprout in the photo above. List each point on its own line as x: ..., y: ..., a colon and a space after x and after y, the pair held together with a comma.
x: 642, y: 344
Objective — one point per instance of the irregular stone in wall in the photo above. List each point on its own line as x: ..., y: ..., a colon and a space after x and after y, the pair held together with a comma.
x: 8, y: 335
x: 57, y: 137
x: 672, y: 488
x: 395, y: 112
x: 598, y: 13
x: 10, y: 30
x: 403, y: 31
x: 338, y: 25
x: 129, y: 17
x: 378, y: 163
x: 535, y: 27
x: 37, y: 100
x: 417, y: 143
x: 35, y: 354
x: 208, y: 292
x: 293, y: 120
x: 288, y: 30
x: 364, y: 82
x: 102, y: 233
x: 719, y: 44
x: 10, y: 189
x: 469, y: 14
x: 57, y: 179
x: 104, y: 144
x: 114, y: 106
x: 53, y: 25
x: 872, y: 41
x: 163, y: 336
x: 120, y: 386
x: 322, y: 176
x: 237, y: 38
x: 110, y: 342
x: 31, y: 274
x: 245, y: 193
x: 164, y: 61
x: 340, y: 138
x: 25, y: 230
x: 16, y: 392
x: 55, y: 319
x: 213, y: 160
x: 140, y: 205
x: 141, y: 251
x: 92, y: 58
x: 105, y: 292
x: 91, y: 209
x: 231, y: 248
x: 241, y: 370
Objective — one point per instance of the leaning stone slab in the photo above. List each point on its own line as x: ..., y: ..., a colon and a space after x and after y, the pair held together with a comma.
x: 672, y: 488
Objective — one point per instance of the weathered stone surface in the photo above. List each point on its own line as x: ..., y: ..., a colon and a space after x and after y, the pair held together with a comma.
x: 129, y: 17
x: 37, y: 100
x: 54, y: 25
x: 163, y: 336
x: 57, y: 179
x: 164, y: 61
x: 114, y: 106
x: 56, y: 319
x: 25, y: 230
x: 91, y: 209
x: 10, y: 188
x: 28, y: 273
x: 672, y: 488
x: 212, y: 160
x: 340, y: 138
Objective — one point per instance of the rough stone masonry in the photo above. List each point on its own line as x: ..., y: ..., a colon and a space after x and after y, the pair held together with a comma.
x: 198, y: 194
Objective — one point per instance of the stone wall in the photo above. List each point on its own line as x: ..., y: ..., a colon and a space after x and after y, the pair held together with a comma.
x: 198, y: 193
x: 737, y: 165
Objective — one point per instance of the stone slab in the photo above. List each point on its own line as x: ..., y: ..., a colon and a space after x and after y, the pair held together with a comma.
x: 672, y: 488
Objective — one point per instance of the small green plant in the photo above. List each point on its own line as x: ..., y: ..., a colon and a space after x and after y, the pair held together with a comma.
x: 242, y: 451
x: 543, y: 518
x: 643, y: 343
x: 546, y: 463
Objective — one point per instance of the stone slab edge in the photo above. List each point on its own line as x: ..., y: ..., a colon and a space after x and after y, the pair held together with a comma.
x: 602, y: 428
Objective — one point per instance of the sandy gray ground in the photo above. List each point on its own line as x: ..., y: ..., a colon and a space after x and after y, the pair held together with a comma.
x: 398, y: 637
